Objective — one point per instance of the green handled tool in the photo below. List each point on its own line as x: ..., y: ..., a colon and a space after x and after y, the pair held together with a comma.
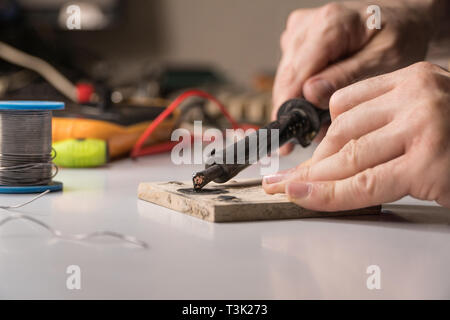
x: 81, y: 153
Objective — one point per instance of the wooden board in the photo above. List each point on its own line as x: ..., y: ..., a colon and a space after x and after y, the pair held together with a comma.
x: 234, y: 201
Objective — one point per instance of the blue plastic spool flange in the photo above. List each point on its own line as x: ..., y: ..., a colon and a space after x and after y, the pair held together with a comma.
x: 25, y: 106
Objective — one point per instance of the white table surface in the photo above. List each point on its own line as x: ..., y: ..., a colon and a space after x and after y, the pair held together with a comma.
x: 193, y: 259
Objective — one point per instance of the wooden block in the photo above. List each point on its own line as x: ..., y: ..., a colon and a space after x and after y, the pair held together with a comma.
x: 234, y: 201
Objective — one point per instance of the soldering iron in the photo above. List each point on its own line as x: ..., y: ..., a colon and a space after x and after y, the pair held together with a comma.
x: 297, y: 120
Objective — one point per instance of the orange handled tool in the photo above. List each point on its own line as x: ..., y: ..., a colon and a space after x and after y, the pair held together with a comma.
x: 120, y: 139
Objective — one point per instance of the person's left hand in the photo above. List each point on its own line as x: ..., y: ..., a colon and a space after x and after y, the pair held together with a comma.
x: 389, y: 137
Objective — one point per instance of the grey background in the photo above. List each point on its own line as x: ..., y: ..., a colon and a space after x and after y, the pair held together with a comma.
x: 238, y: 37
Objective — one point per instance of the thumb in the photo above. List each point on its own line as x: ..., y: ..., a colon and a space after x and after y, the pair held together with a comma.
x: 367, y: 188
x: 319, y: 88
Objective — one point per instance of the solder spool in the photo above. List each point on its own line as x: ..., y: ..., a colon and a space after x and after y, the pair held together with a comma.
x: 26, y: 146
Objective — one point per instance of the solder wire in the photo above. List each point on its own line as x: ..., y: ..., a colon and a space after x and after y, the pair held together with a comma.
x: 26, y: 159
x: 26, y: 148
x: 58, y: 234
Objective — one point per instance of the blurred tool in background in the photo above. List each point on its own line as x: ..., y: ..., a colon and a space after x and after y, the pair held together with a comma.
x: 81, y: 153
x: 105, y: 119
x: 87, y: 142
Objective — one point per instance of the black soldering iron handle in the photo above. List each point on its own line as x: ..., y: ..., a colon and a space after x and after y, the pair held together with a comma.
x: 297, y: 120
x: 312, y: 119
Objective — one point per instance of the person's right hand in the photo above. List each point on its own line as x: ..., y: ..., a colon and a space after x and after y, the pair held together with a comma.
x: 327, y: 48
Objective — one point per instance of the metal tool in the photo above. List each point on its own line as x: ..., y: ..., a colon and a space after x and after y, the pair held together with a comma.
x: 297, y: 119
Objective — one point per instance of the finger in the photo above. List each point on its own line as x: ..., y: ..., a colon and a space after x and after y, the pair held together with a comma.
x: 373, y: 149
x: 355, y: 123
x: 360, y: 92
x: 351, y: 125
x: 286, y: 149
x: 321, y: 86
x: 289, y: 79
x: 384, y: 183
x: 270, y: 180
x: 287, y: 85
x: 370, y: 150
x: 307, y: 50
x: 322, y: 132
x: 300, y: 61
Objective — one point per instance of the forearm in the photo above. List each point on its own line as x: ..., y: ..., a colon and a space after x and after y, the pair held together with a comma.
x: 435, y: 15
x: 431, y: 18
x: 432, y: 15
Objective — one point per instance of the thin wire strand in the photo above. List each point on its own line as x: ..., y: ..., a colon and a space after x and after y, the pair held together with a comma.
x: 26, y: 202
x: 70, y: 237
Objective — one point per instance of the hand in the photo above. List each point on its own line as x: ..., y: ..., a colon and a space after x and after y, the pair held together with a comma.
x: 389, y: 137
x: 330, y: 47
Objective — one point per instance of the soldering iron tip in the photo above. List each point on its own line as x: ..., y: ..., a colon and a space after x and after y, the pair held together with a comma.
x: 198, y: 181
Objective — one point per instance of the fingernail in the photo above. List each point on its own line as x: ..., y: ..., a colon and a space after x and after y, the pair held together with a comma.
x: 323, y: 90
x: 273, y: 178
x: 298, y: 189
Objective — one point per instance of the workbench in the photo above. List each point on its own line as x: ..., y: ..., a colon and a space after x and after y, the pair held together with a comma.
x: 193, y: 259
